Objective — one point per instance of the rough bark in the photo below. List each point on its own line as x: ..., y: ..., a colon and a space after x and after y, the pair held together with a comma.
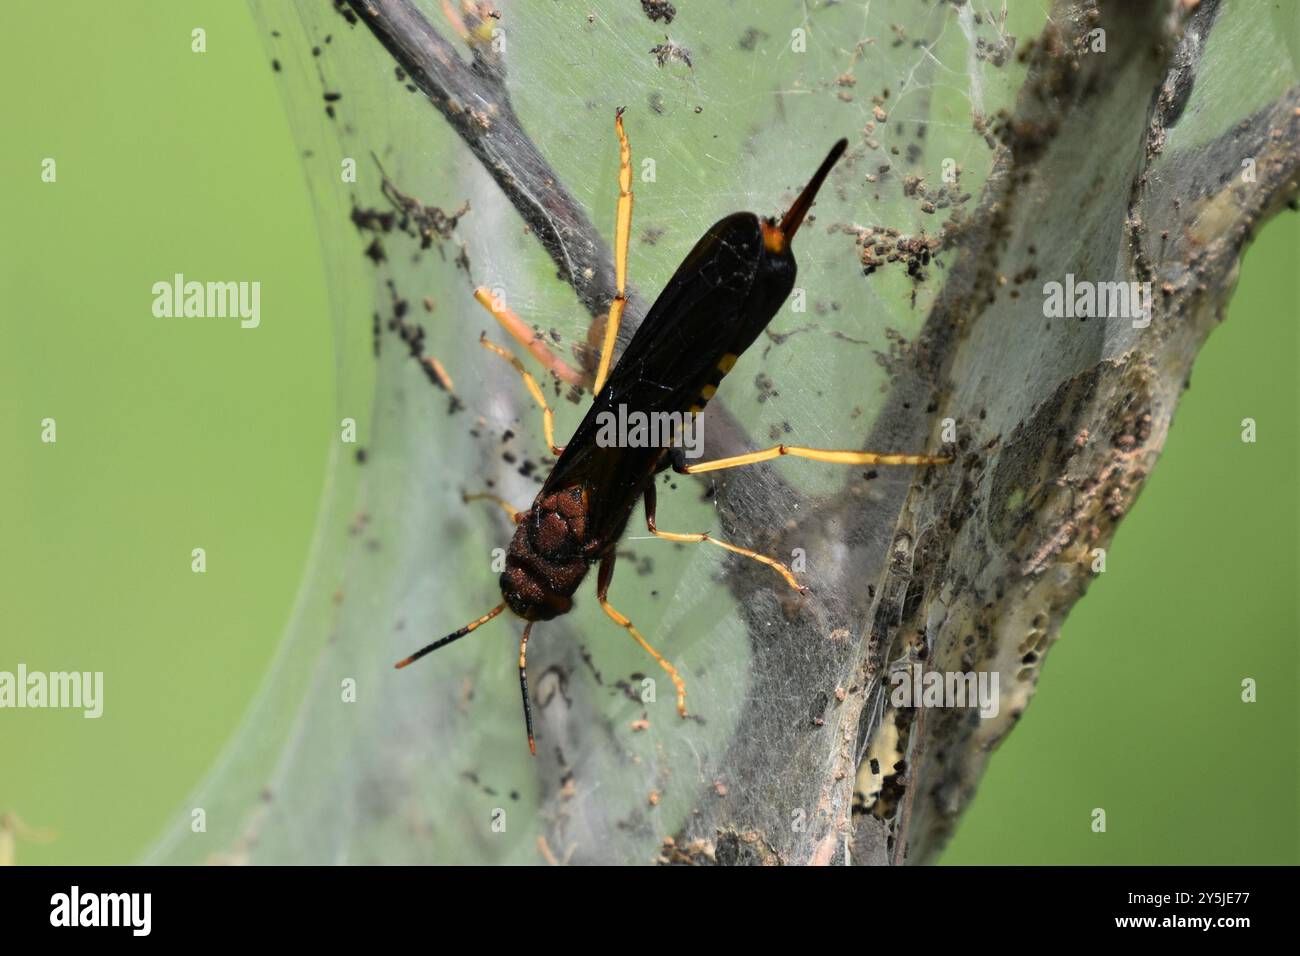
x: 1061, y: 421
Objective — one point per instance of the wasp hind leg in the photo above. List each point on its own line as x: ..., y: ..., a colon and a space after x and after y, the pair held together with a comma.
x: 603, y: 578
x: 831, y: 456
x: 701, y: 538
x: 522, y: 333
x: 622, y: 238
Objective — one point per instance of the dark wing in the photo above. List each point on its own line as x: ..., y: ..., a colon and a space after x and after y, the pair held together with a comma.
x: 698, y: 318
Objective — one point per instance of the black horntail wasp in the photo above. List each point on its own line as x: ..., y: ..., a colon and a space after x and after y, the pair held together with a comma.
x: 720, y: 299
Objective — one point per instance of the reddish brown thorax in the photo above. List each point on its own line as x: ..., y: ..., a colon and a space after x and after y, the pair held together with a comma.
x: 549, y: 555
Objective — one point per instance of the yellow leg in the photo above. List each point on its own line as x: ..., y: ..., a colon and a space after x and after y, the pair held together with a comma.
x: 477, y: 31
x: 508, y: 508
x: 548, y: 417
x: 701, y: 538
x: 622, y: 237
x: 455, y: 19
x: 11, y: 828
x: 443, y: 378
x: 603, y: 578
x: 529, y: 339
x: 816, y: 454
x: 678, y: 683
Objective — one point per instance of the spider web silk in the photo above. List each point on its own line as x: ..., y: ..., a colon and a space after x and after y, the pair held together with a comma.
x: 429, y: 764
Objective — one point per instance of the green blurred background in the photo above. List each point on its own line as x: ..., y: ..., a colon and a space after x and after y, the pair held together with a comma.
x: 183, y: 433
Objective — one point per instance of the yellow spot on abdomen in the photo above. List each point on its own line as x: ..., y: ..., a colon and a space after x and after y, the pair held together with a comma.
x: 774, y: 239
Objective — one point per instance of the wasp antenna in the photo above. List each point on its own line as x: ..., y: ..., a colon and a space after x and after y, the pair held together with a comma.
x: 791, y: 221
x: 523, y: 688
x: 454, y: 636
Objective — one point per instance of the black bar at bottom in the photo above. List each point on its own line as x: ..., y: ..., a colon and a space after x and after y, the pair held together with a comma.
x: 214, y: 904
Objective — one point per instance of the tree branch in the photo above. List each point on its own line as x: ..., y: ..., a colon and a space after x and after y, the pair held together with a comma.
x: 473, y: 98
